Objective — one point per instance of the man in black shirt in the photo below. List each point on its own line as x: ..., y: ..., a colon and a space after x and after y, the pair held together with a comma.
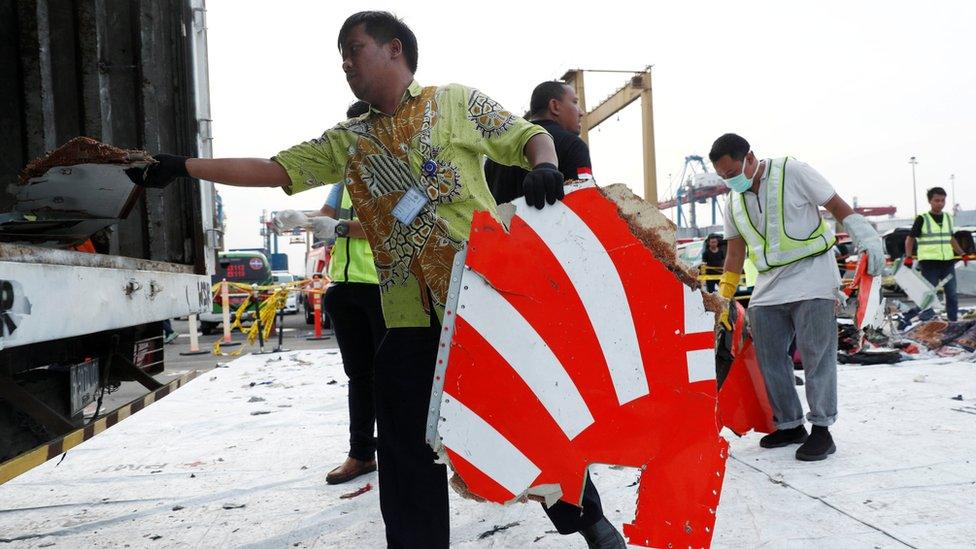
x: 937, y: 248
x: 555, y: 107
x: 713, y: 259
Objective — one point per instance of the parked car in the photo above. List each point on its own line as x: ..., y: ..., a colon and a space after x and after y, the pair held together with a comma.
x: 291, y: 303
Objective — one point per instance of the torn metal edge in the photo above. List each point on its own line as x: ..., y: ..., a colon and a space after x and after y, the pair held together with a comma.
x: 508, y: 210
x: 444, y: 350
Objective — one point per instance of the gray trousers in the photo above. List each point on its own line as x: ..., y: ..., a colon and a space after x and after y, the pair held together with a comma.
x: 815, y: 325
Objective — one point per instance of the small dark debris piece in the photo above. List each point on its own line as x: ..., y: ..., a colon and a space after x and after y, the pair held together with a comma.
x: 154, y: 472
x: 192, y: 475
x: 304, y: 467
x: 155, y: 537
x: 178, y: 508
x: 332, y: 382
x: 497, y: 529
x: 957, y: 397
x: 255, y: 399
x: 260, y: 412
x: 536, y: 540
x: 234, y: 505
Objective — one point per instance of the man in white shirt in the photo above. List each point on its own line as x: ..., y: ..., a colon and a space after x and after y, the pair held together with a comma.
x: 774, y: 214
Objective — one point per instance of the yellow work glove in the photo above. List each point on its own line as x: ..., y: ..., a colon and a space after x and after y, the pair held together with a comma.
x: 726, y: 288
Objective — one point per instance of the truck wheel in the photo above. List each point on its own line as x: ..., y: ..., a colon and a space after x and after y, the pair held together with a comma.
x: 22, y: 431
x: 208, y: 328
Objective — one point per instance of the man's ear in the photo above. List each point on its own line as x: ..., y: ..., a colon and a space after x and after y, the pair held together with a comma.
x: 396, y: 48
x: 554, y: 106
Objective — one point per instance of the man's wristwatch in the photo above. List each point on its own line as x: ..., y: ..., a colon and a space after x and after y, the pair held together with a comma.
x: 342, y: 229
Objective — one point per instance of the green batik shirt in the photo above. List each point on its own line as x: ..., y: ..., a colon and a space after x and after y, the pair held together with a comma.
x: 434, y: 143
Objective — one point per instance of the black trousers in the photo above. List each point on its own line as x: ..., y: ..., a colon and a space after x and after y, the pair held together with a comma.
x: 357, y: 318
x: 569, y: 518
x: 413, y: 489
x: 934, y: 272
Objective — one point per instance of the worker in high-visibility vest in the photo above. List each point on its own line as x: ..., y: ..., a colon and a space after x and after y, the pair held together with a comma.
x: 937, y: 248
x: 774, y: 213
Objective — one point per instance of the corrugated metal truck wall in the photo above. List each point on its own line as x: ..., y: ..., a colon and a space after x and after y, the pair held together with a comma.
x: 115, y: 70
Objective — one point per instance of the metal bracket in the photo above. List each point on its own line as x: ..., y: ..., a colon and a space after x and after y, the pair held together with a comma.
x: 154, y: 289
x: 444, y: 350
x: 126, y: 368
x: 131, y: 287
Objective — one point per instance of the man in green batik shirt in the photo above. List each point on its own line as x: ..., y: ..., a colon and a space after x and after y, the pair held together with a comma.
x: 412, y: 166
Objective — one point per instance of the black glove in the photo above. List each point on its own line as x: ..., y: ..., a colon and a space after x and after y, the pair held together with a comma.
x: 160, y: 173
x: 544, y: 184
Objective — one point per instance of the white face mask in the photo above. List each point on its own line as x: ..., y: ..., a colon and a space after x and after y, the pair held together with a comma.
x: 742, y: 182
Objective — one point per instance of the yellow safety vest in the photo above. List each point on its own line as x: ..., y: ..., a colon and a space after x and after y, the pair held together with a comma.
x: 776, y: 248
x: 352, y: 258
x: 935, y: 242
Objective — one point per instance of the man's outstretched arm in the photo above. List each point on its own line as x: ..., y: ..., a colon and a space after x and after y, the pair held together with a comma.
x: 241, y: 172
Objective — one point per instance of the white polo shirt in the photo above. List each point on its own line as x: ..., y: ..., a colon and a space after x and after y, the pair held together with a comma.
x: 804, y: 191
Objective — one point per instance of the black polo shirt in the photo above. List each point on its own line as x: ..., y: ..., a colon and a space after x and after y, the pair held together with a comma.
x: 505, y: 182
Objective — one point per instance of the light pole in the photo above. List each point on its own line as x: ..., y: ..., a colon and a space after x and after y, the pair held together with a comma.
x: 952, y: 183
x: 913, y: 162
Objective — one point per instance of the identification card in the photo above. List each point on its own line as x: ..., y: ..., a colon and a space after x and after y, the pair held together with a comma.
x: 409, y: 206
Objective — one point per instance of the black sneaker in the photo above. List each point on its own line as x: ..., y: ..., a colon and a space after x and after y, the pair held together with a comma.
x: 818, y: 446
x: 784, y: 437
x: 602, y: 535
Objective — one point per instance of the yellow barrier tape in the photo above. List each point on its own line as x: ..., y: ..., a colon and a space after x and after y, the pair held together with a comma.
x: 267, y: 311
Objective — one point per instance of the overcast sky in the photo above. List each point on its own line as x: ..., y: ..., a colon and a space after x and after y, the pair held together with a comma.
x: 853, y: 88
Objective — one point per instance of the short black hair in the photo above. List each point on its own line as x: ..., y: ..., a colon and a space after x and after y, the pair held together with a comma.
x: 729, y: 144
x: 935, y: 191
x: 543, y: 94
x: 357, y: 109
x: 383, y: 26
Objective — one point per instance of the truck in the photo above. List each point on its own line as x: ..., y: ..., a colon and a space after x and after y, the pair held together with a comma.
x: 75, y: 324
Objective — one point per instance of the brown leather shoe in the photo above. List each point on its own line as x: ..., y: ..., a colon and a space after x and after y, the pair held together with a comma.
x: 350, y: 469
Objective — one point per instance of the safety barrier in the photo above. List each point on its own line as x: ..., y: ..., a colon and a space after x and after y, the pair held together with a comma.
x: 267, y: 308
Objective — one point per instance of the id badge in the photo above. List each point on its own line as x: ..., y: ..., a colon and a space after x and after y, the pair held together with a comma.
x: 409, y: 206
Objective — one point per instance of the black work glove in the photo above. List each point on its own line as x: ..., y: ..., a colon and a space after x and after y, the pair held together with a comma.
x: 160, y: 173
x: 544, y: 184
